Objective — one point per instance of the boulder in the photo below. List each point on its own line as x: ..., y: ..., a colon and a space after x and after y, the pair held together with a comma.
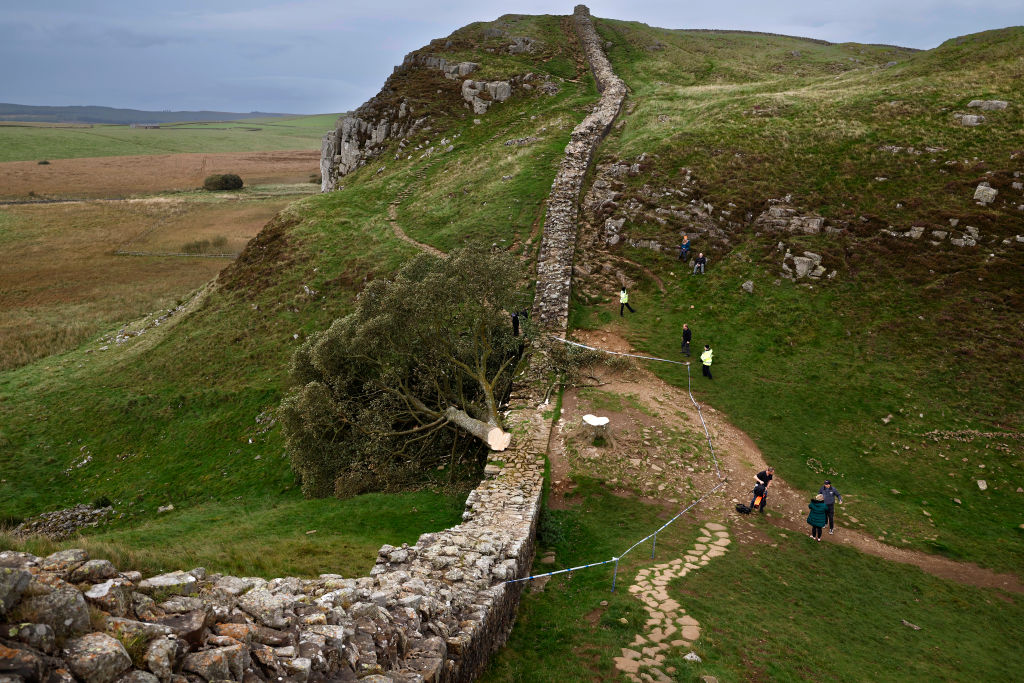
x: 93, y: 571
x: 17, y: 664
x: 985, y: 194
x: 64, y: 610
x: 97, y: 658
x: 190, y: 627
x: 131, y: 629
x: 988, y: 105
x: 803, y: 265
x: 13, y: 583
x: 266, y: 607
x: 137, y: 676
x: 222, y: 663
x: 164, y: 656
x: 65, y: 560
x: 180, y: 583
x: 233, y: 585
x: 748, y: 286
x: 36, y: 636
x: 16, y: 560
x: 113, y: 596
x: 971, y: 120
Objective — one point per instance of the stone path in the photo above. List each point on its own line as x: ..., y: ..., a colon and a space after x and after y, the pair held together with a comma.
x: 668, y: 625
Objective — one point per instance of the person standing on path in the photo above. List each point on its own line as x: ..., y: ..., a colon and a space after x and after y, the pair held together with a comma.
x: 687, y: 335
x: 705, y: 359
x: 684, y: 249
x: 624, y: 302
x: 699, y: 263
x: 829, y: 495
x: 764, y: 478
x: 816, y: 518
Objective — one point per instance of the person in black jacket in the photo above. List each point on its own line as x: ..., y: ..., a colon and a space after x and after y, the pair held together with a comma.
x: 764, y: 478
x: 829, y: 495
x: 687, y: 335
x: 699, y: 263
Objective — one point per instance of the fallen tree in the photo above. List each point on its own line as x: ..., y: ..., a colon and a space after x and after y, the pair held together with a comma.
x: 412, y: 377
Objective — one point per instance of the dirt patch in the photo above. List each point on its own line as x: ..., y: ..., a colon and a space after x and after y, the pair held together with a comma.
x: 123, y: 176
x: 626, y: 465
x: 62, y: 280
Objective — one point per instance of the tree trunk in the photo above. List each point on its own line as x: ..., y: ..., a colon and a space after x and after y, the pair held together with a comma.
x: 496, y: 438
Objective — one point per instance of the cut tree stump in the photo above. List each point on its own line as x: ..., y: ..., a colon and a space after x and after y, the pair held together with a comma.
x: 598, y: 427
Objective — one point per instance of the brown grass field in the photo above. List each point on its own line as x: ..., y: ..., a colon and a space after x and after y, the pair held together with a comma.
x: 131, y: 175
x: 61, y: 282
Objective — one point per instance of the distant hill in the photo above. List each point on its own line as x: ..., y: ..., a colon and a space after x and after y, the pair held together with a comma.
x: 26, y: 112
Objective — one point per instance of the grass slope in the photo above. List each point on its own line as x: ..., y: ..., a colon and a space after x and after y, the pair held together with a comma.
x: 28, y: 142
x: 926, y: 333
x: 181, y: 415
x: 787, y: 609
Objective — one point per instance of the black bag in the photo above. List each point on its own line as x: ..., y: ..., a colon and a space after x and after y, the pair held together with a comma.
x: 742, y: 509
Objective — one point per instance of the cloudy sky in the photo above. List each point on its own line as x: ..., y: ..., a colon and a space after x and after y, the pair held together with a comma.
x: 320, y: 56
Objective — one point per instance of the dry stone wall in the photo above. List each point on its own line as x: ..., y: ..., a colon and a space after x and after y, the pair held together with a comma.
x: 555, y: 261
x: 431, y: 612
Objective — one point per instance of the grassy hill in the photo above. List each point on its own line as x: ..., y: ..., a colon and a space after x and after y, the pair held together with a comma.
x: 181, y: 415
x: 31, y: 142
x: 72, y: 114
x: 927, y: 333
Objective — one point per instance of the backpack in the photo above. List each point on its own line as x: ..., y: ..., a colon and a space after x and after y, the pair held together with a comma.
x: 742, y: 509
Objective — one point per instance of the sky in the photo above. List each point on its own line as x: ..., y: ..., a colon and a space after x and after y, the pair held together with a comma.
x: 328, y: 56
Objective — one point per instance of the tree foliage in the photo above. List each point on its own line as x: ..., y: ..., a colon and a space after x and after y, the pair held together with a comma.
x: 412, y: 376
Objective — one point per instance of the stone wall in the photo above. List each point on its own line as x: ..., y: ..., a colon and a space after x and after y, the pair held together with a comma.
x: 555, y: 261
x: 434, y: 611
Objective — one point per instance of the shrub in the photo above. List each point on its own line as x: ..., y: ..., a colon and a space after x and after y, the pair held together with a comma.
x: 222, y: 181
x: 44, y: 162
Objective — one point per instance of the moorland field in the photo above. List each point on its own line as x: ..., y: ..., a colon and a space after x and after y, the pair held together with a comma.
x: 900, y: 378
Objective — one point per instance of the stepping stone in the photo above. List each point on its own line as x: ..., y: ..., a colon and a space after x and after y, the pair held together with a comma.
x: 680, y: 643
x: 687, y: 620
x: 630, y: 654
x: 700, y: 547
x: 715, y: 552
x: 629, y: 666
x: 638, y: 641
x: 723, y: 542
x: 650, y: 651
x: 656, y: 636
x: 690, y: 632
x: 703, y: 539
x: 714, y: 526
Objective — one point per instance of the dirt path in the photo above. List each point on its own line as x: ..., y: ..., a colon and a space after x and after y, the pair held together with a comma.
x: 655, y: 450
x: 393, y: 216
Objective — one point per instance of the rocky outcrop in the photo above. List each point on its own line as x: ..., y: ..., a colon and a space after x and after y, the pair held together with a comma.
x: 781, y: 217
x: 555, y: 260
x: 390, y: 115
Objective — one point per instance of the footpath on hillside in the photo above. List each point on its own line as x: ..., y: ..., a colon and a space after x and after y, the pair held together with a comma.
x: 644, y: 452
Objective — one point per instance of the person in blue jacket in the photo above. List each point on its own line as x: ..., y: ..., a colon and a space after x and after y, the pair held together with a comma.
x: 816, y: 518
x: 830, y: 495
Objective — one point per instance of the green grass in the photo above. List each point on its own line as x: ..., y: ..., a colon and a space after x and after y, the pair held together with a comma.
x: 926, y: 333
x: 171, y: 417
x: 275, y: 536
x: 32, y: 143
x: 792, y: 609
x: 784, y: 609
x: 813, y: 396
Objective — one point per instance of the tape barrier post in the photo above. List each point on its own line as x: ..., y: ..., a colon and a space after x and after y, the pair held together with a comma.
x: 654, y: 544
x: 615, y: 574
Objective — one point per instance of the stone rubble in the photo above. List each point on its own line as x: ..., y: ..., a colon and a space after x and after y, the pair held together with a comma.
x: 63, y: 523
